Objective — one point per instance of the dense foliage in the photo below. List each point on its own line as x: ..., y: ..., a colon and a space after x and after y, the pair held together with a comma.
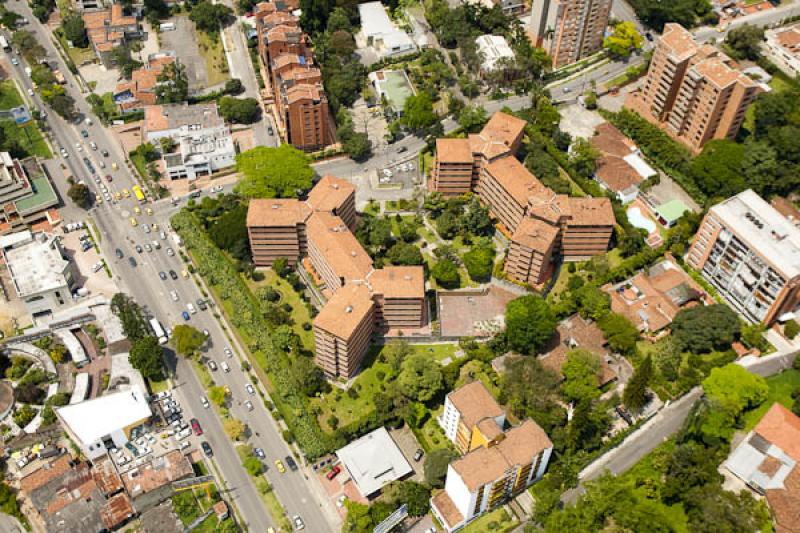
x: 530, y: 324
x: 280, y: 172
x: 706, y: 328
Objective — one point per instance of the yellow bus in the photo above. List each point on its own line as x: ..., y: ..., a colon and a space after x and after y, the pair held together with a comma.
x: 137, y: 192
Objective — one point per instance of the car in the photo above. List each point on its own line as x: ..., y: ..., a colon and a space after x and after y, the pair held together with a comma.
x: 146, y: 228
x: 114, y: 165
x: 174, y: 295
x: 249, y: 405
x: 228, y: 352
x: 149, y: 212
x: 191, y: 308
x: 430, y: 530
x: 648, y: 36
x: 206, y: 333
x: 259, y: 453
x: 201, y: 304
x: 170, y: 252
x: 185, y: 274
x: 418, y: 454
x: 402, y: 149
x: 79, y: 147
x: 250, y: 389
x: 137, y: 210
x: 64, y: 154
x: 93, y: 145
x: 173, y: 274
x: 212, y: 365
x: 271, y: 131
x: 117, y: 196
x: 216, y: 188
x: 126, y: 193
x: 185, y: 315
x: 139, y: 249
x: 204, y: 401
x: 196, y: 427
x: 132, y: 261
x: 291, y: 463
x: 162, y: 275
x: 340, y: 500
x: 30, y: 92
x: 225, y: 366
x: 119, y: 253
x: 104, y: 152
x: 298, y: 522
x: 162, y: 236
x: 207, y: 449
x: 333, y: 472
x: 279, y: 466
x: 102, y: 164
x: 148, y: 247
x: 84, y: 134
x: 109, y: 178
x: 14, y: 61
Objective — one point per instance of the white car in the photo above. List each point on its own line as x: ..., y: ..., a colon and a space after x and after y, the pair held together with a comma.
x: 204, y: 401
x: 249, y: 405
x: 64, y: 154
x: 228, y: 352
x: 225, y: 366
x: 170, y: 252
x: 30, y: 92
x: 250, y: 390
x: 183, y: 434
x: 174, y: 295
x: 298, y: 522
x: 14, y: 61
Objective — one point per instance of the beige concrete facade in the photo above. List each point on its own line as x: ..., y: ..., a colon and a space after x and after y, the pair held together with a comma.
x: 569, y: 29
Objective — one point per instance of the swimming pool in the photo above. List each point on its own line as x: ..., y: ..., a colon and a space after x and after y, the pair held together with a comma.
x: 636, y: 218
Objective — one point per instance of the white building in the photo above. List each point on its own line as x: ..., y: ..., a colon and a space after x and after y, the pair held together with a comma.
x: 489, y: 475
x: 493, y: 49
x: 465, y: 410
x: 40, y: 271
x: 782, y: 47
x: 106, y: 422
x: 374, y: 461
x: 380, y: 32
x: 204, y: 142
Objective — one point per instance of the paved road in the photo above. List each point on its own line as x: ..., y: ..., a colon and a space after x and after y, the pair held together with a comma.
x: 770, y: 17
x: 143, y: 283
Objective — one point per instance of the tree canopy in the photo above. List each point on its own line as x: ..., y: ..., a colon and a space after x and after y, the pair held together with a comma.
x: 80, y: 194
x: 479, y: 262
x: 418, y: 113
x: 172, y: 85
x: 531, y: 391
x: 187, y: 340
x: 445, y: 272
x: 130, y: 315
x: 705, y: 328
x: 581, y: 371
x: 75, y: 30
x: 239, y: 110
x: 744, y: 42
x: 208, y: 17
x: 624, y: 40
x: 436, y: 463
x: 146, y: 356
x: 420, y: 377
x: 279, y: 172
x: 530, y: 324
x: 402, y: 253
x: 731, y: 390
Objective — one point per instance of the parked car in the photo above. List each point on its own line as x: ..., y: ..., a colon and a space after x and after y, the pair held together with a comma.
x: 204, y: 401
x: 201, y: 304
x: 174, y: 295
x: 162, y: 275
x: 119, y: 253
x: 225, y: 366
x: 132, y: 262
x: 250, y: 390
x: 291, y: 463
x: 84, y: 134
x: 196, y: 427
x: 185, y: 315
x: 418, y: 454
x: 170, y: 252
x: 173, y: 274
x: 104, y: 152
x: 249, y: 405
x: 228, y: 352
x: 298, y: 522
x: 207, y: 449
x: 212, y: 365
x: 279, y: 466
x: 259, y: 453
x: 333, y: 472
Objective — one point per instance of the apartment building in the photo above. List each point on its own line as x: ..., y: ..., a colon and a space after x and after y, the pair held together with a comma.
x: 497, y: 464
x: 140, y: 91
x: 26, y: 194
x: 569, y: 30
x: 299, y: 101
x: 692, y: 91
x: 782, y: 47
x: 108, y: 29
x: 751, y: 253
x: 321, y: 229
x: 343, y: 331
x: 579, y: 228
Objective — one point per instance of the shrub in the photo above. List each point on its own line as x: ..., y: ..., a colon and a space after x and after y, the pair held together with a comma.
x: 791, y: 329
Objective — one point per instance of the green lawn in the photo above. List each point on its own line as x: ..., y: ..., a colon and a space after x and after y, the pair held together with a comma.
x: 79, y: 56
x: 192, y: 504
x: 780, y: 390
x: 140, y: 164
x: 214, y: 55
x: 28, y: 136
x: 158, y: 386
x: 9, y: 96
x: 430, y: 435
x: 299, y: 312
x: 498, y: 521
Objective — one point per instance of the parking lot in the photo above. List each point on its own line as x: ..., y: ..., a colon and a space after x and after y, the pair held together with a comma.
x: 79, y: 248
x: 183, y: 41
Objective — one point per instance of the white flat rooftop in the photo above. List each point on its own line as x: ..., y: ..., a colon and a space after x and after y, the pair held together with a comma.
x: 37, y: 266
x: 94, y: 419
x: 764, y: 229
x: 373, y: 461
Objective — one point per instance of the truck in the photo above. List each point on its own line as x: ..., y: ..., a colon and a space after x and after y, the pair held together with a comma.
x: 4, y: 43
x: 158, y: 330
x: 177, y: 239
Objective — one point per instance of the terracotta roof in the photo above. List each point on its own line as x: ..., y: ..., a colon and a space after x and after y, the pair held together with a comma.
x: 285, y: 33
x: 117, y: 509
x: 489, y: 428
x: 330, y: 193
x: 398, y: 281
x: 488, y: 148
x: 447, y: 509
x: 616, y: 173
x: 285, y: 59
x: 548, y: 206
x: 609, y: 140
x: 45, y: 474
x: 453, y: 151
x: 679, y: 40
x: 786, y: 208
x: 106, y: 476
x: 589, y: 211
x: 160, y: 471
x: 154, y: 118
x: 535, y: 234
x: 304, y: 92
x: 474, y: 402
x: 75, y: 488
x: 346, y: 309
x: 785, y: 503
x: 516, y: 179
x: 720, y: 74
x: 781, y: 427
x: 572, y: 333
x: 338, y: 246
x: 486, y: 465
x: 790, y: 38
x: 276, y: 212
x: 505, y: 128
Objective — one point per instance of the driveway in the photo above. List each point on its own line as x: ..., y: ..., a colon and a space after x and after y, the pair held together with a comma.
x: 183, y: 41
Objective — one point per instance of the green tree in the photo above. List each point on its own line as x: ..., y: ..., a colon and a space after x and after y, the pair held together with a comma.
x: 234, y: 86
x: 445, y: 272
x: 130, y: 315
x: 744, y: 42
x: 635, y: 394
x: 208, y: 17
x: 217, y: 395
x: 74, y: 30
x: 80, y: 194
x: 418, y: 113
x: 531, y: 391
x: 416, y: 495
x: 476, y: 218
x: 121, y: 56
x: 530, y: 324
x: 690, y: 465
x: 156, y: 10
x: 730, y: 389
x: 718, y: 169
x: 239, y: 110
x: 307, y: 377
x: 407, y: 229
x: 420, y: 377
x: 280, y: 172
x: 187, y: 340
x: 233, y: 427
x: 281, y: 267
x: 580, y: 376
x: 253, y: 466
x: 479, y: 262
x: 624, y: 40
x: 146, y: 356
x: 172, y: 85
x: 447, y: 225
x: 472, y: 118
x: 29, y: 46
x: 8, y: 502
x: 620, y: 333
x: 436, y: 463
x: 357, y: 144
x: 704, y: 328
x: 404, y: 254
x: 791, y: 329
x: 584, y: 157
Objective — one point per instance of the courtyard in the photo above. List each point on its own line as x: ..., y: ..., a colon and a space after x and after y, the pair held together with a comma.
x: 472, y: 313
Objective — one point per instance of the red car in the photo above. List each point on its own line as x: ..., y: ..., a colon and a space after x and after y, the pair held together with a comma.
x: 109, y: 178
x: 196, y: 427
x: 334, y: 472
